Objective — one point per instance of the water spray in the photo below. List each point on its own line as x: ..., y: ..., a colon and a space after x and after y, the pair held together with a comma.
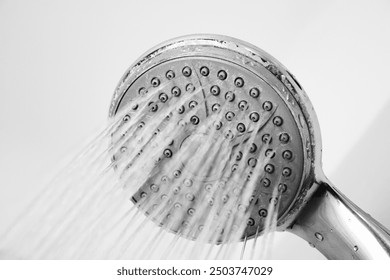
x: 235, y: 147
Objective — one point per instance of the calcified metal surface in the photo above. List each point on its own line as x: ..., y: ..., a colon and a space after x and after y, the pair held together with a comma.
x: 216, y: 145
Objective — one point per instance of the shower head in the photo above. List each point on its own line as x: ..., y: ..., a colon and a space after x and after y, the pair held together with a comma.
x: 242, y: 138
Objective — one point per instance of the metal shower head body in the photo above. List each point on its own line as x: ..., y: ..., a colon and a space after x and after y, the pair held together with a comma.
x: 225, y: 93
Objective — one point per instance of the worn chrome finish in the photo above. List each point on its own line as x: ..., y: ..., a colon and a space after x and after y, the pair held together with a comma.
x: 315, y: 211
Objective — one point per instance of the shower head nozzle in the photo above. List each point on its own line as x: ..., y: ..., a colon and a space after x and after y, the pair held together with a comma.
x: 232, y: 134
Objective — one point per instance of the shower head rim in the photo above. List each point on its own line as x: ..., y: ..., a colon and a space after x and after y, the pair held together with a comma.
x: 164, y: 51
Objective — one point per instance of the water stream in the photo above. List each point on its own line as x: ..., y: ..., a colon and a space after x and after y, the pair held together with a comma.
x: 130, y: 195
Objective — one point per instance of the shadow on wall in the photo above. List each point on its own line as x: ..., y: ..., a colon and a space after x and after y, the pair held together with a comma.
x: 364, y: 175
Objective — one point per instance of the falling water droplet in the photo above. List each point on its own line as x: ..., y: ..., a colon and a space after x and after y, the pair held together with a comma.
x: 355, y: 248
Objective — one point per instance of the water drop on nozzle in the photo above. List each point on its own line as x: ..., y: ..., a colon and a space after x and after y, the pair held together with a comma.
x: 188, y: 182
x: 319, y: 236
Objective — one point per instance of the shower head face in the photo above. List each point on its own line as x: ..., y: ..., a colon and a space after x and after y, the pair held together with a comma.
x: 229, y: 135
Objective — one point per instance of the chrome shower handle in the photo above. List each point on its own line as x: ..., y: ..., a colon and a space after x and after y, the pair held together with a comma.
x: 229, y: 71
x: 339, y: 229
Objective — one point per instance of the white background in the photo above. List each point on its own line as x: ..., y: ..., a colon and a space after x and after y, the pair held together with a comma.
x: 60, y: 62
